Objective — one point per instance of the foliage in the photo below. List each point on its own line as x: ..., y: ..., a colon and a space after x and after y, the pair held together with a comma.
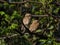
x: 10, y: 19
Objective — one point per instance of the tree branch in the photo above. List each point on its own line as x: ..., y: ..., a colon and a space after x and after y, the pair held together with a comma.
x: 39, y: 15
x: 2, y: 1
x: 9, y: 36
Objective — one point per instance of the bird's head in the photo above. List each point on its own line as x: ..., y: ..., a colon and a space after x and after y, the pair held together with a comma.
x: 35, y: 21
x: 27, y: 15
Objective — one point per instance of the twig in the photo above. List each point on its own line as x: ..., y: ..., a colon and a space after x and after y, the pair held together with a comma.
x: 17, y: 2
x: 2, y: 1
x: 56, y: 17
x: 57, y: 39
x: 9, y: 36
x: 25, y: 2
x: 22, y: 2
x: 39, y: 15
x: 57, y: 3
x: 35, y: 2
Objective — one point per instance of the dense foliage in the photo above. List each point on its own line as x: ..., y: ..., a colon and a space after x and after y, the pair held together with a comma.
x: 11, y: 16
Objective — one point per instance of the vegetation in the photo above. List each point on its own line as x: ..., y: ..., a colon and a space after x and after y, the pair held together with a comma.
x: 11, y: 19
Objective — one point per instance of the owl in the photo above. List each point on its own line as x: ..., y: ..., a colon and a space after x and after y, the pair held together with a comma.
x: 34, y: 25
x: 26, y: 19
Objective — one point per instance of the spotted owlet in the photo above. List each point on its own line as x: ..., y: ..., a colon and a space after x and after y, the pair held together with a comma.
x: 34, y: 25
x: 26, y: 19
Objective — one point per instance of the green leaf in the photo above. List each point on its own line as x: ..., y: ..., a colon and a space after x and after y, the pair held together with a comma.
x: 48, y: 25
x: 38, y: 30
x: 51, y: 27
x: 26, y: 35
x: 6, y: 4
x: 56, y: 10
x: 2, y: 13
x: 42, y: 40
x: 14, y: 13
x: 50, y: 34
x: 13, y: 26
x: 7, y: 18
x: 37, y: 13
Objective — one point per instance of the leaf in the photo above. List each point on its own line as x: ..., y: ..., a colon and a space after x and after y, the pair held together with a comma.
x: 13, y: 26
x: 2, y: 13
x: 50, y: 34
x: 7, y: 18
x: 16, y: 15
x: 26, y: 35
x: 48, y: 25
x: 6, y: 4
x: 38, y: 30
x: 42, y: 40
x: 41, y: 12
x: 56, y: 10
x: 51, y: 18
x: 51, y: 27
x: 37, y: 13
